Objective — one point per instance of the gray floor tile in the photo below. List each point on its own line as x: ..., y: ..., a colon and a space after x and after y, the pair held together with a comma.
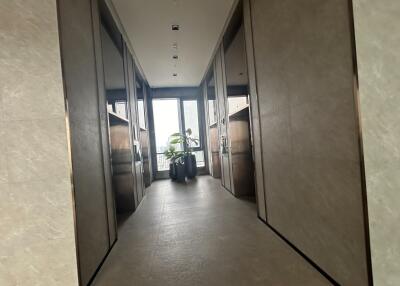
x: 199, y: 234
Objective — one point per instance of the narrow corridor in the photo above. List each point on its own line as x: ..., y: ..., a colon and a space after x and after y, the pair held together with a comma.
x: 199, y: 234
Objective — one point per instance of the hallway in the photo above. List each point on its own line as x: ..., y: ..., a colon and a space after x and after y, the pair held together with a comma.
x: 199, y: 234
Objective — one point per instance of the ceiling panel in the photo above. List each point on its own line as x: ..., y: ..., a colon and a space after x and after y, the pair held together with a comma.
x: 148, y: 25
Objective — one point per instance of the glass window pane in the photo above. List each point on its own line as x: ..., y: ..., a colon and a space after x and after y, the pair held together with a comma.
x: 120, y: 109
x: 237, y: 103
x: 211, y: 112
x: 199, y: 158
x: 166, y: 122
x: 192, y: 118
x: 162, y: 163
x: 142, y: 121
x: 212, y: 108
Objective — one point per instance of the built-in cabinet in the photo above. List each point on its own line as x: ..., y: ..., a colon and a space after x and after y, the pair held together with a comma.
x: 226, y: 94
x: 88, y: 138
x: 306, y: 132
x: 285, y: 92
x: 211, y: 125
x: 142, y: 91
x: 101, y: 95
x: 224, y: 142
x: 131, y: 77
x: 122, y: 88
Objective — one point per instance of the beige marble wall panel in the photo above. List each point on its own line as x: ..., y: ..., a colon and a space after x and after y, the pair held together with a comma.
x: 37, y: 245
x: 3, y: 154
x: 304, y: 72
x: 377, y: 26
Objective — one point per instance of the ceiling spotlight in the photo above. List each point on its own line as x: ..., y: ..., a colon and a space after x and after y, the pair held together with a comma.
x: 175, y: 27
x: 174, y: 74
x: 175, y: 46
x: 175, y: 57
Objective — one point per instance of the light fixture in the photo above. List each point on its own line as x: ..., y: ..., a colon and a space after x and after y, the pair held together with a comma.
x: 175, y: 57
x: 174, y: 74
x: 175, y: 27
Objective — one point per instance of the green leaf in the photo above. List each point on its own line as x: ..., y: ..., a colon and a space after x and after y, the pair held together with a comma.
x: 175, y: 141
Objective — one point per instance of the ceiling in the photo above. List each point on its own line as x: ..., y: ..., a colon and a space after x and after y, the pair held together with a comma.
x: 148, y: 24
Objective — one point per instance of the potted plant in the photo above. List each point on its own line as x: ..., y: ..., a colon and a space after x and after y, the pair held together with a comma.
x: 176, y: 165
x: 180, y: 171
x: 185, y: 157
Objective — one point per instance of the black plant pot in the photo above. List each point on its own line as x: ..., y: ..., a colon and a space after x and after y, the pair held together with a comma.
x: 191, y: 166
x: 180, y: 172
x: 172, y: 171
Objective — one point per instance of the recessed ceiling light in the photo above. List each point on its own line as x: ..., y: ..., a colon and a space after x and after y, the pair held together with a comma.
x: 174, y: 74
x: 175, y: 27
x: 175, y: 57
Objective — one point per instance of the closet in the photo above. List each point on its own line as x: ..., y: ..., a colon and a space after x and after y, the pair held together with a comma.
x: 104, y: 118
x: 227, y: 101
x: 211, y: 107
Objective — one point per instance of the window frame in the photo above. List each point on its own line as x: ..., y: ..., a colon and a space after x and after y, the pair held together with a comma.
x: 181, y: 110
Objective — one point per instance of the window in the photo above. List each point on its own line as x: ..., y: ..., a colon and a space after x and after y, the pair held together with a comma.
x: 175, y: 115
x: 166, y: 122
x: 191, y: 117
x: 120, y: 109
x: 142, y: 120
x: 237, y: 103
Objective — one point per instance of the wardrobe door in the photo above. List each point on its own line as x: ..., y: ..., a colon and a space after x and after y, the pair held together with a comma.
x: 211, y: 112
x: 305, y: 71
x: 82, y: 96
x: 104, y: 124
x: 223, y: 122
x: 255, y: 114
x: 133, y: 108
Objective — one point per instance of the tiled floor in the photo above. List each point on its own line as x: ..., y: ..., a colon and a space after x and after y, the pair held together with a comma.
x: 199, y: 234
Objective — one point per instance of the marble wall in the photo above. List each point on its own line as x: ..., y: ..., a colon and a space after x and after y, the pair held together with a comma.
x: 37, y: 245
x: 377, y: 25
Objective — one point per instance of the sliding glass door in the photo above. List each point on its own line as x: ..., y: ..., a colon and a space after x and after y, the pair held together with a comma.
x: 172, y: 115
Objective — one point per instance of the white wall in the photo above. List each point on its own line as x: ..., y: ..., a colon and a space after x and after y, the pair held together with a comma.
x: 37, y: 245
x: 377, y: 26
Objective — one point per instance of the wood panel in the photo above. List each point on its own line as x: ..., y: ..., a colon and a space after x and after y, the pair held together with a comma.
x: 223, y: 120
x: 134, y: 121
x: 304, y: 71
x: 105, y: 138
x: 215, y: 156
x: 242, y: 161
x: 82, y: 94
x: 255, y: 114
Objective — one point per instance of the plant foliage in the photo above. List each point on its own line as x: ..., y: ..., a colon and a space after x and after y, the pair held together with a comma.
x: 186, y: 140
